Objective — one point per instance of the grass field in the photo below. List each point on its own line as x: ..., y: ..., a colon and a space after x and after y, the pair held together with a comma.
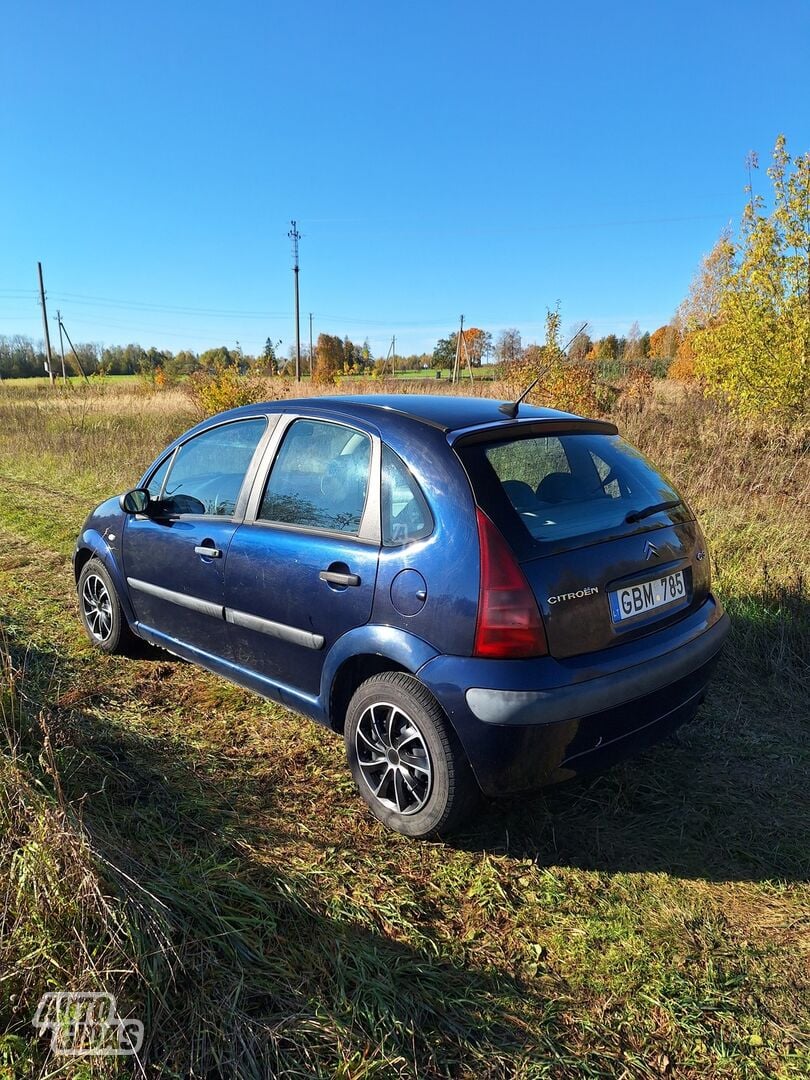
x: 203, y: 854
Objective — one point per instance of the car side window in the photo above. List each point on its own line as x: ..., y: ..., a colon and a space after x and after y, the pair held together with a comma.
x: 206, y: 473
x: 155, y: 484
x: 319, y: 479
x: 405, y: 513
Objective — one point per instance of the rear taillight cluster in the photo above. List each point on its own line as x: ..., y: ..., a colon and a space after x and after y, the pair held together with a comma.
x: 509, y: 626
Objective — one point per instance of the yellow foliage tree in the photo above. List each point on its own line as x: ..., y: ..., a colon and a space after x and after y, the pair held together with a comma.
x: 328, y: 359
x: 755, y: 345
x: 683, y: 366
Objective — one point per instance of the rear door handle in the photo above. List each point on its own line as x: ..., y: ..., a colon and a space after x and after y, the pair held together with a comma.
x: 332, y: 577
x: 209, y: 552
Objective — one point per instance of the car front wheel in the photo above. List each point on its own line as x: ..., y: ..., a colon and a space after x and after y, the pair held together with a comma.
x: 406, y: 759
x: 100, y: 608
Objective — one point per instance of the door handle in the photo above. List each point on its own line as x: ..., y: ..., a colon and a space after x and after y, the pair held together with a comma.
x: 332, y: 577
x: 208, y: 552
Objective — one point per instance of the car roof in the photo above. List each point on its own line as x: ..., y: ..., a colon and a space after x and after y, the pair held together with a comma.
x: 447, y: 412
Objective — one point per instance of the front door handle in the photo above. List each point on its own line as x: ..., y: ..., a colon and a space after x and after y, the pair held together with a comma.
x: 208, y: 552
x: 332, y: 577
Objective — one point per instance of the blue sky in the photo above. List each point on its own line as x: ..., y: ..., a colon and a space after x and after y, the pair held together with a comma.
x: 440, y: 158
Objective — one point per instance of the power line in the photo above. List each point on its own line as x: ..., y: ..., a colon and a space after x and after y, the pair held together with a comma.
x: 138, y: 305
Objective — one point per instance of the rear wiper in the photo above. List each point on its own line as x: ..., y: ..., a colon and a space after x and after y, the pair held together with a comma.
x: 637, y: 515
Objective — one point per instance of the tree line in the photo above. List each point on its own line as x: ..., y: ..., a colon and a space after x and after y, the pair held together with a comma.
x: 22, y: 357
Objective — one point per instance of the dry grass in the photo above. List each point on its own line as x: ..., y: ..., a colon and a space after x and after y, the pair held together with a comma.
x: 202, y: 853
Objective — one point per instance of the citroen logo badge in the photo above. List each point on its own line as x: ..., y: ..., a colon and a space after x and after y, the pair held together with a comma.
x: 650, y: 551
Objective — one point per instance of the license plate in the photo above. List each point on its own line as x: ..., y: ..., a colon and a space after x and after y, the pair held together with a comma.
x: 649, y: 595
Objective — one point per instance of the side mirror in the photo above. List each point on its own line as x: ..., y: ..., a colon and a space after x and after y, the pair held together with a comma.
x: 135, y: 501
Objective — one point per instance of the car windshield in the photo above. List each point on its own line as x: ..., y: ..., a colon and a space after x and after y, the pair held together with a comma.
x: 557, y: 487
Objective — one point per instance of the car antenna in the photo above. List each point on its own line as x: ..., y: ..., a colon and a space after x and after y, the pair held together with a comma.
x: 510, y: 408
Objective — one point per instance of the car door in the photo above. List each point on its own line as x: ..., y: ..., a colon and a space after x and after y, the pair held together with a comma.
x: 301, y: 569
x: 174, y: 555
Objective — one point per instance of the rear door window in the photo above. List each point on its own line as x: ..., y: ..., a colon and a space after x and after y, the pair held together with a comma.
x: 543, y: 490
x: 319, y: 479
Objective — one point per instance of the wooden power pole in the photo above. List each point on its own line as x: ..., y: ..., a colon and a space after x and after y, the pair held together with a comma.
x: 295, y: 236
x: 45, y: 323
x: 461, y: 343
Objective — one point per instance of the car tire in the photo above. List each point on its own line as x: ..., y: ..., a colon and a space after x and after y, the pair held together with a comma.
x: 406, y: 759
x: 102, y: 617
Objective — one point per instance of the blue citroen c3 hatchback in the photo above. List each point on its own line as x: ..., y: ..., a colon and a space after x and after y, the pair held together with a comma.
x: 478, y: 601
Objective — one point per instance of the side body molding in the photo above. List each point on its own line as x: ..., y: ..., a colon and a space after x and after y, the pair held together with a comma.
x: 236, y: 618
x: 275, y: 629
x: 193, y: 603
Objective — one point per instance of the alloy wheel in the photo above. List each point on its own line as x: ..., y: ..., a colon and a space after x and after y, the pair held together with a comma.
x: 393, y: 758
x: 97, y: 607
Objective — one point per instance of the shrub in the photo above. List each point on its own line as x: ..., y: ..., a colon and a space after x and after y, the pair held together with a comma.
x: 221, y: 387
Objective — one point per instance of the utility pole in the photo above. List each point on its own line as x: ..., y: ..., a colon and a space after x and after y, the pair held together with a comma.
x: 392, y: 352
x: 61, y: 344
x: 310, y: 344
x: 461, y: 343
x: 45, y: 323
x: 295, y: 236
x: 63, y: 329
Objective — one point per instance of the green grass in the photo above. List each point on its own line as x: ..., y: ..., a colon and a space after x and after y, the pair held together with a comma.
x: 202, y: 853
x: 42, y: 382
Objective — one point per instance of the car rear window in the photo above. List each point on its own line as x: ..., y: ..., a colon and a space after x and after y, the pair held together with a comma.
x: 544, y: 490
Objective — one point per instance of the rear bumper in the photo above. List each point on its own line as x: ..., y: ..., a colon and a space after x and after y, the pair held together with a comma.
x: 527, y: 723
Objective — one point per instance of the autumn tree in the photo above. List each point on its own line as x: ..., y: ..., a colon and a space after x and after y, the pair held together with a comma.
x: 755, y: 344
x: 182, y: 363
x: 580, y: 347
x: 329, y: 358
x: 664, y: 342
x: 508, y: 347
x: 220, y: 357
x: 479, y: 345
x: 444, y: 353
x: 632, y: 350
x: 607, y: 348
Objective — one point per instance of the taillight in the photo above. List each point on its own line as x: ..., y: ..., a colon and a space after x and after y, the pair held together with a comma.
x: 509, y: 625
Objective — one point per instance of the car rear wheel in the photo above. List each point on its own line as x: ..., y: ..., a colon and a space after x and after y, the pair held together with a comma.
x: 100, y: 608
x: 406, y: 759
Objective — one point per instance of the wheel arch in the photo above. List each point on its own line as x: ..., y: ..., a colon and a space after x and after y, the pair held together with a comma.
x: 365, y: 651
x: 92, y: 545
x: 351, y: 674
x: 80, y: 560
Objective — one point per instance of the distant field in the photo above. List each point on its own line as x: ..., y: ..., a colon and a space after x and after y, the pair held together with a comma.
x: 482, y: 374
x: 42, y: 382
x: 202, y: 853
